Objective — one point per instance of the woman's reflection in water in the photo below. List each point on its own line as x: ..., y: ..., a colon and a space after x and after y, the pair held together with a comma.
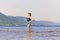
x: 28, y: 35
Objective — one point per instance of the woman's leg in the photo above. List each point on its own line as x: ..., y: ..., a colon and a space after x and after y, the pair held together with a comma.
x: 28, y: 26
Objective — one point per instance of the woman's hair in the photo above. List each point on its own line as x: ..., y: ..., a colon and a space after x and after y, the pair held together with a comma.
x: 29, y: 14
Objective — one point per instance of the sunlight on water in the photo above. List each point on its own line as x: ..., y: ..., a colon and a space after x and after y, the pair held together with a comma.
x: 37, y: 33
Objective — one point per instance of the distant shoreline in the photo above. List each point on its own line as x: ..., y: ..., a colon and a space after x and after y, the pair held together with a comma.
x: 33, y: 26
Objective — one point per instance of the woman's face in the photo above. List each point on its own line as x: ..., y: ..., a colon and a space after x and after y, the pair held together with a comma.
x: 29, y: 14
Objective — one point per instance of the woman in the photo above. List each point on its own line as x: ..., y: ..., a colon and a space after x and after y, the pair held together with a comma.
x: 29, y: 20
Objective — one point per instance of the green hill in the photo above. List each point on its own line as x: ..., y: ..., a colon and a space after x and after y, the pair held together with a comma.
x: 11, y: 20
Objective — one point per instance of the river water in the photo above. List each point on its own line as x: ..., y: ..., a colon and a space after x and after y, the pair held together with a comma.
x: 37, y: 33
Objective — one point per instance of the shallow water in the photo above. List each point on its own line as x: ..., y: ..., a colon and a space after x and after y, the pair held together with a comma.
x: 37, y: 33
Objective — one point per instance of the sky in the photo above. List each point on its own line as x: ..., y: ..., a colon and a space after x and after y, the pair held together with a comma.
x: 41, y: 9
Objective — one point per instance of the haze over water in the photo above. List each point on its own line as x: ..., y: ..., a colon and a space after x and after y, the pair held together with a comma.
x: 40, y: 9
